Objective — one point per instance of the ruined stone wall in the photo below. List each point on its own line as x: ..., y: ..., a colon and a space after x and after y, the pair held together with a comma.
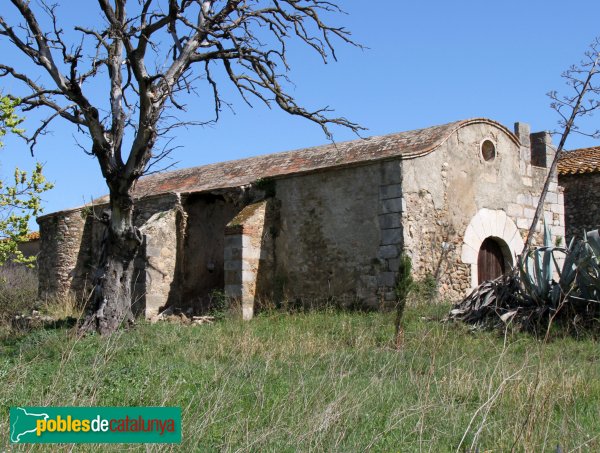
x: 61, y: 235
x: 339, y: 235
x: 71, y: 243
x: 446, y: 190
x: 582, y: 203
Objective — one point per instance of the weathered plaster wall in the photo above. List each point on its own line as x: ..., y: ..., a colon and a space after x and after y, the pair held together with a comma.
x: 340, y: 234
x: 444, y: 191
x: 582, y: 203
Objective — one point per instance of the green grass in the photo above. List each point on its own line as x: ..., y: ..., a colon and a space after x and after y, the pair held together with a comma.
x: 325, y: 381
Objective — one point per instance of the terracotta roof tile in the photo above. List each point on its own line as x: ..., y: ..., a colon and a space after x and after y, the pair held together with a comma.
x: 245, y: 171
x: 578, y: 161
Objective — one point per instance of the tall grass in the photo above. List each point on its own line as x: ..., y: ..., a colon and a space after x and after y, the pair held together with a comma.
x: 324, y: 381
x: 18, y: 290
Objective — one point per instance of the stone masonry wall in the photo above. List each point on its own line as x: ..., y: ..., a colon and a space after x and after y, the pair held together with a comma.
x: 445, y: 190
x: 340, y: 235
x: 248, y: 256
x: 582, y: 203
x: 160, y: 259
x: 61, y: 236
x: 71, y: 241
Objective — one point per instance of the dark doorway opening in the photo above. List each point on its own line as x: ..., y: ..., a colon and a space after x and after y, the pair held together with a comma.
x: 490, y: 262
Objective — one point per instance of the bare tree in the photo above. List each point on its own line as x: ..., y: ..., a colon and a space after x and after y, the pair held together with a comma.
x: 151, y: 52
x: 583, y: 101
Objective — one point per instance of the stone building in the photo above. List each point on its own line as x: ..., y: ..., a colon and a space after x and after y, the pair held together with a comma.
x: 324, y: 222
x: 579, y: 175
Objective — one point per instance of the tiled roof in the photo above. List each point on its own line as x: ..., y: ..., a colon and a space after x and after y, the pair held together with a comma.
x: 245, y: 171
x: 585, y: 160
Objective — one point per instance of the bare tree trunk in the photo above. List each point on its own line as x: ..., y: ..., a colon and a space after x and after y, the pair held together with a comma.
x: 112, y: 297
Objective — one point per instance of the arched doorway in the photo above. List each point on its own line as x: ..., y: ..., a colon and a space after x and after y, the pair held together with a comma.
x: 490, y: 261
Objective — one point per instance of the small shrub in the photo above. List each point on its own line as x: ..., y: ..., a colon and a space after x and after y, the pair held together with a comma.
x: 424, y: 290
x: 220, y: 304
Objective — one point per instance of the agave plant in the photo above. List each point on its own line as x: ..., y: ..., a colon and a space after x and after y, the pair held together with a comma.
x: 545, y: 280
x: 587, y: 267
x: 537, y: 268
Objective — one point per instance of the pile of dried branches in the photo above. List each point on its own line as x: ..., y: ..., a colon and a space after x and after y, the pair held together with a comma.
x: 542, y: 289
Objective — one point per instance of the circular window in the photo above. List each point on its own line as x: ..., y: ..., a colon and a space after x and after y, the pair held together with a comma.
x: 488, y: 150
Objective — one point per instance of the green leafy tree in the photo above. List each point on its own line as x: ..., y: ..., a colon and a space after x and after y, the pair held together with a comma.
x: 20, y: 197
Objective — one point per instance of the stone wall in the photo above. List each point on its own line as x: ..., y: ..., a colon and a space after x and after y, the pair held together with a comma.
x: 444, y: 191
x: 158, y: 262
x: 340, y: 235
x: 59, y: 258
x: 71, y: 243
x: 582, y: 203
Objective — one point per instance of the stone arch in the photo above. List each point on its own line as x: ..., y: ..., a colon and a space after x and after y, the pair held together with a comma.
x: 489, y: 223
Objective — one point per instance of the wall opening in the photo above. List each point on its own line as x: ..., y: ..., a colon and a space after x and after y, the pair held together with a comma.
x: 202, y: 270
x: 491, y: 261
x: 488, y: 150
x: 494, y: 225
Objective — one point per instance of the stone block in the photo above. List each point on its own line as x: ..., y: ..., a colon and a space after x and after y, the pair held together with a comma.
x: 251, y: 253
x: 478, y: 228
x: 469, y: 254
x: 233, y: 277
x: 471, y: 238
x: 248, y: 276
x: 393, y: 265
x: 232, y: 265
x: 391, y: 236
x: 522, y: 131
x: 391, y: 173
x: 234, y: 240
x: 557, y: 208
x: 523, y: 223
x: 388, y: 252
x: 391, y: 205
x: 233, y: 291
x: 390, y: 191
x: 524, y: 199
x: 390, y: 296
x: 515, y: 210
x: 247, y: 310
x: 552, y: 197
x: 389, y: 221
x: 529, y: 213
x: 498, y: 227
x: 368, y: 281
x: 387, y: 279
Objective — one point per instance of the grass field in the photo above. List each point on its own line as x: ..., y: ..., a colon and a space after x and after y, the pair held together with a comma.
x: 323, y: 381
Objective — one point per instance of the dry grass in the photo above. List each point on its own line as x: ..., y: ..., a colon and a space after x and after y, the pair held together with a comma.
x: 324, y: 381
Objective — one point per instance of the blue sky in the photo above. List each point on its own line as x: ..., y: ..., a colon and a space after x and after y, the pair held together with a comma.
x: 427, y: 63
